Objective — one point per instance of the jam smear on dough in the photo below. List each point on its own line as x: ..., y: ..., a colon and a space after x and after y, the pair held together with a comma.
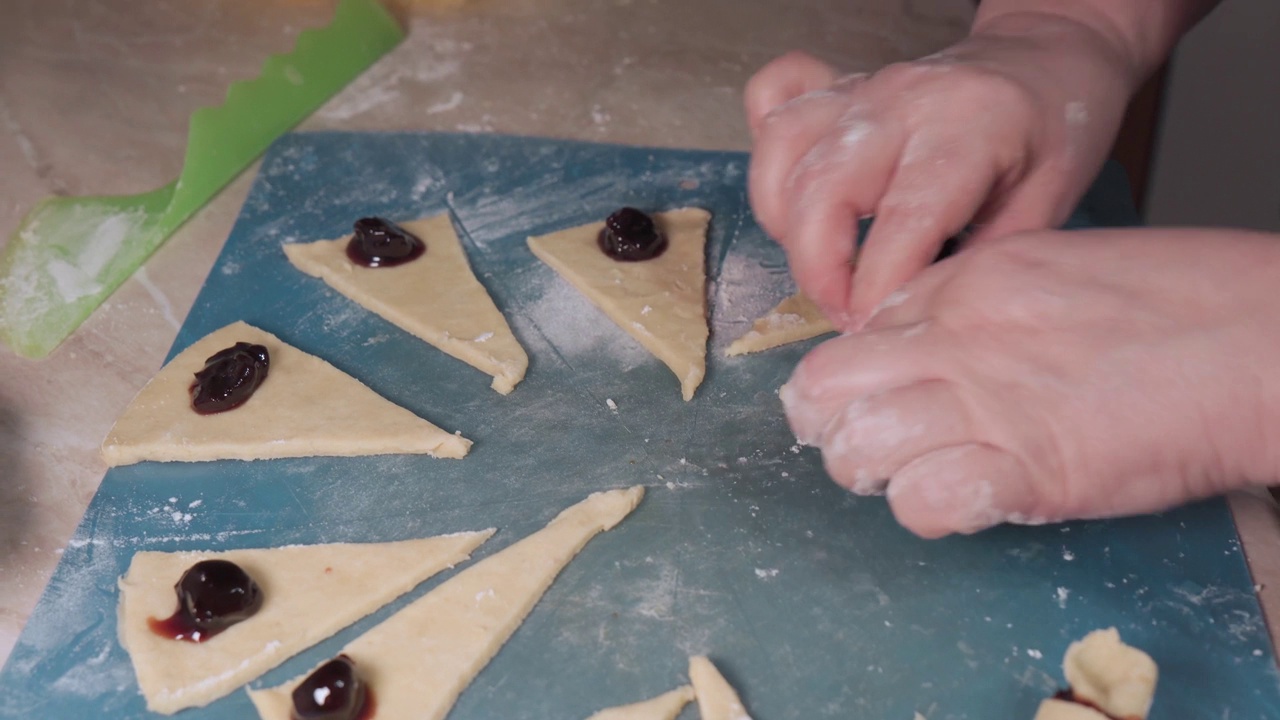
x: 378, y: 243
x: 213, y: 595
x: 333, y: 692
x: 229, y: 378
x: 629, y: 235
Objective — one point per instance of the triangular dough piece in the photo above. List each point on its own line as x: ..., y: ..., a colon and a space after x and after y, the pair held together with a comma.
x: 418, y: 661
x: 435, y: 297
x: 309, y: 593
x: 661, y: 302
x: 664, y: 707
x: 717, y: 700
x: 793, y: 320
x: 305, y: 407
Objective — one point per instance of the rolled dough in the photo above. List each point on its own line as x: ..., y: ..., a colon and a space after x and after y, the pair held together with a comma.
x: 717, y: 700
x: 436, y: 297
x: 1118, y: 679
x: 662, y: 302
x: 309, y: 593
x: 304, y: 407
x: 663, y: 707
x: 793, y: 320
x: 418, y: 661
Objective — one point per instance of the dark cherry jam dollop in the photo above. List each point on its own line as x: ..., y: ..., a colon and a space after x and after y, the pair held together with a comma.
x: 229, y: 378
x: 1068, y: 696
x: 629, y: 235
x: 382, y: 243
x: 213, y: 595
x: 333, y: 692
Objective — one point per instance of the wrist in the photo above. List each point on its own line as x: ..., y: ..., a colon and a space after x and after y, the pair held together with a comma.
x: 1070, y: 42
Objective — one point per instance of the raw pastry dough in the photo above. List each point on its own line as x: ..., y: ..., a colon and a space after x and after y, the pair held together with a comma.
x: 304, y: 407
x: 717, y: 700
x: 419, y: 660
x: 661, y: 302
x: 309, y: 593
x: 1118, y: 679
x: 793, y: 320
x: 435, y: 297
x: 664, y: 707
x: 1062, y: 710
x: 1102, y: 671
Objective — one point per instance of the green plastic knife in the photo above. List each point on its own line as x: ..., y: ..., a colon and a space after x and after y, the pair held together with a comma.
x: 69, y: 254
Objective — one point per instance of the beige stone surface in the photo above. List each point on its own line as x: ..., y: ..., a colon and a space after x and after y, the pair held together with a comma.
x: 95, y: 95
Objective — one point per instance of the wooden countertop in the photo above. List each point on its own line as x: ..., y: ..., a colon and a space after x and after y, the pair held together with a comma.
x: 94, y: 98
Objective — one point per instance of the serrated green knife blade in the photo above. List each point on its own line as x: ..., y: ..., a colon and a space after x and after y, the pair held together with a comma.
x: 69, y: 254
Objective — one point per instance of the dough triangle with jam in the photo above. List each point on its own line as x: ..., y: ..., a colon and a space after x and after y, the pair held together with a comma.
x: 661, y: 302
x: 794, y: 319
x: 309, y: 593
x: 663, y: 707
x: 435, y: 297
x: 304, y: 407
x: 418, y: 661
x: 717, y: 700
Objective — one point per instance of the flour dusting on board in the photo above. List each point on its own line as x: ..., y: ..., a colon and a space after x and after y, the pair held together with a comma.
x: 424, y: 58
x: 578, y: 329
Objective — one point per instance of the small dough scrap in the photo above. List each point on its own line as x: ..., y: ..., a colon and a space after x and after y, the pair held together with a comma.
x: 436, y: 297
x: 717, y: 700
x: 1063, y: 710
x: 1118, y: 679
x: 663, y: 707
x: 661, y: 302
x: 794, y: 319
x: 305, y: 407
x: 419, y: 660
x: 309, y: 593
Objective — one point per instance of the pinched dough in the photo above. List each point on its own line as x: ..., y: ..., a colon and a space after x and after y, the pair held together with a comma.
x: 304, y: 407
x: 1102, y: 671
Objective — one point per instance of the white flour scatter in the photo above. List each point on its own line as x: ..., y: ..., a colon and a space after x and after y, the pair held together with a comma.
x: 766, y: 573
x: 424, y: 58
x: 1061, y: 596
x: 581, y: 332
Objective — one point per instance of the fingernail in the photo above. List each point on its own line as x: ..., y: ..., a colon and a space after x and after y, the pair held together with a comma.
x: 965, y: 505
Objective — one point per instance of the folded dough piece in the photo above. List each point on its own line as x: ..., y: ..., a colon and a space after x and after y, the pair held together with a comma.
x: 1107, y: 679
x: 418, y: 661
x: 717, y: 700
x: 663, y: 707
x: 309, y: 593
x: 436, y: 297
x: 793, y: 320
x: 304, y: 407
x: 661, y: 302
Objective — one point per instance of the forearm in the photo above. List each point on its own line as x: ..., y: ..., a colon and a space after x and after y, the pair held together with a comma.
x: 1141, y: 32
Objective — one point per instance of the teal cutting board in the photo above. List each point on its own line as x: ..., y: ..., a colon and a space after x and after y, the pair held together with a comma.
x: 812, y: 601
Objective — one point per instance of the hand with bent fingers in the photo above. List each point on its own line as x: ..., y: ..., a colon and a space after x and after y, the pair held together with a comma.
x: 1044, y: 377
x: 1006, y: 129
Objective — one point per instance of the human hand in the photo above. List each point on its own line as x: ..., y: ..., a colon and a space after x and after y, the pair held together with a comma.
x: 1005, y: 129
x: 1045, y: 377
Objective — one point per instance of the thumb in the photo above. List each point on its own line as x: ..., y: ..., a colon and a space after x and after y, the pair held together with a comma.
x: 963, y: 489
